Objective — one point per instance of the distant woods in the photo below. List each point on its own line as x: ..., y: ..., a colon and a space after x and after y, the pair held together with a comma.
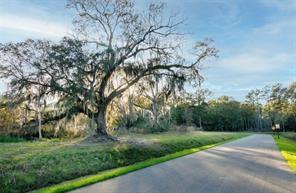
x: 262, y: 108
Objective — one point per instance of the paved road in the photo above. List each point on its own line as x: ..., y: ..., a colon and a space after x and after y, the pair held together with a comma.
x: 252, y: 165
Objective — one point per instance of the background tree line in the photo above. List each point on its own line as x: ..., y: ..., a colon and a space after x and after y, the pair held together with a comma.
x: 155, y: 108
x: 261, y: 108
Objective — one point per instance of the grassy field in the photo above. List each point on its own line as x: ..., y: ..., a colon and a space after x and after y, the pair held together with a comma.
x: 288, y: 149
x: 289, y: 135
x: 26, y: 166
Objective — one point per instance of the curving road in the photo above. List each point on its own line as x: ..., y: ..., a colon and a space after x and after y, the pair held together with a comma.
x: 251, y: 165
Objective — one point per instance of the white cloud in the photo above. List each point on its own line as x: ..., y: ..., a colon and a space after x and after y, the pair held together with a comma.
x: 286, y: 5
x: 41, y: 27
x: 227, y: 13
x: 267, y: 48
x: 285, y: 26
x: 255, y: 62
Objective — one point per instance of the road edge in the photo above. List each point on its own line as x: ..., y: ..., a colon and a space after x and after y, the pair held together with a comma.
x: 112, y: 173
x: 288, y: 151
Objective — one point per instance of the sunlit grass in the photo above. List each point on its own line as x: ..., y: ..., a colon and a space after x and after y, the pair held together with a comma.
x: 288, y: 149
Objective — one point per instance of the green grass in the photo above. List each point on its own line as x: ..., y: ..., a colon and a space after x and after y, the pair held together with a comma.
x: 289, y: 135
x: 288, y: 150
x: 26, y: 166
x: 10, y: 139
x: 74, y: 184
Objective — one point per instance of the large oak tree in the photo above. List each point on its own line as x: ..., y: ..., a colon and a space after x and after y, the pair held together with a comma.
x: 113, y: 47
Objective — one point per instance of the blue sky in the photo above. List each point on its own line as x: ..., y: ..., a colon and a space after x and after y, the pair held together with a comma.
x: 256, y: 38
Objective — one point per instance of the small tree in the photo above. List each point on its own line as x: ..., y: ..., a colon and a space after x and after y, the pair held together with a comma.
x: 255, y: 98
x: 153, y: 93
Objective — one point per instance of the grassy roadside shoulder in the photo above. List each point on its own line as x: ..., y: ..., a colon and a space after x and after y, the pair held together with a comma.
x: 288, y: 150
x: 104, y: 175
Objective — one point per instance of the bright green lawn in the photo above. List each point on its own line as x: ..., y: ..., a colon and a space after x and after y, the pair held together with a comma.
x: 288, y: 149
x: 26, y: 166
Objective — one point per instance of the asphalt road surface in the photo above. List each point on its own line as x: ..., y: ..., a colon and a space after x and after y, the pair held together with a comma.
x: 252, y: 165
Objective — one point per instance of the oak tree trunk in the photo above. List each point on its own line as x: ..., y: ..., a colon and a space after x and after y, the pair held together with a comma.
x: 101, y: 121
